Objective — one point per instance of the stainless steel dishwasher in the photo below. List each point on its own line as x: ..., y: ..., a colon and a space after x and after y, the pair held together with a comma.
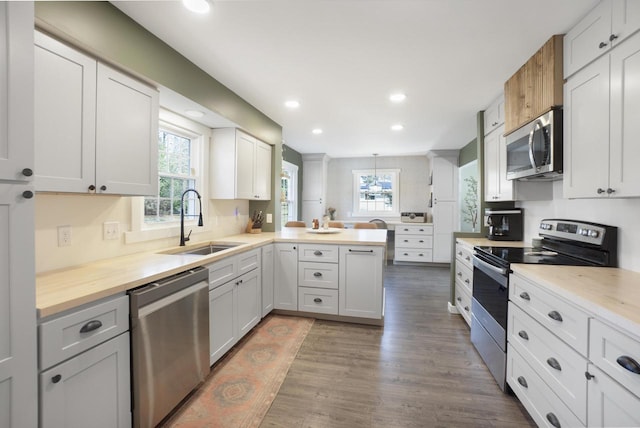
x: 169, y: 343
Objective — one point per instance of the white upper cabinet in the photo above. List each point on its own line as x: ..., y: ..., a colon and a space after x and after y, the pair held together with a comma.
x: 601, y: 129
x: 249, y: 175
x: 606, y: 26
x: 16, y: 92
x: 494, y: 115
x: 496, y: 185
x: 96, y: 129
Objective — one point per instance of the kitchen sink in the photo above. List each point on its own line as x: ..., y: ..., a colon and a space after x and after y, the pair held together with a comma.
x: 209, y: 249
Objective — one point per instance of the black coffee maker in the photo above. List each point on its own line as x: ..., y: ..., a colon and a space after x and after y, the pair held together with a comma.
x: 504, y: 224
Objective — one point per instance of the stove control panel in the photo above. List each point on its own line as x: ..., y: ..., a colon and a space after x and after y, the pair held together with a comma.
x: 573, y: 231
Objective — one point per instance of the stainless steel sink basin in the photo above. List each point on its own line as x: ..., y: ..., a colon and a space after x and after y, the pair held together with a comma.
x: 209, y: 249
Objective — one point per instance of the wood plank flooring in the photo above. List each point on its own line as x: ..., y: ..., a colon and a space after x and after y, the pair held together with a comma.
x: 419, y: 370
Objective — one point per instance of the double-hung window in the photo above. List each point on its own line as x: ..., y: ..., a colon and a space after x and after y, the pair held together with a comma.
x: 376, y: 193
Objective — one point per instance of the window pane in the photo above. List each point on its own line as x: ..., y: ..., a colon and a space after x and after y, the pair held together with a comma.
x: 165, y: 187
x: 165, y: 207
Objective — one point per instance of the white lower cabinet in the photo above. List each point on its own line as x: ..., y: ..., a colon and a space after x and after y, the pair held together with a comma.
x: 318, y: 300
x: 235, y: 307
x: 413, y: 243
x: 360, y: 281
x: 610, y: 404
x: 89, y: 390
x: 285, y: 277
x: 84, y: 375
x: 267, y: 279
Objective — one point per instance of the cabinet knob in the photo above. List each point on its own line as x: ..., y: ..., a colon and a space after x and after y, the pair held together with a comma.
x: 103, y: 187
x: 317, y: 300
x: 494, y: 123
x: 467, y: 281
x: 27, y: 194
x: 459, y: 299
x: 600, y: 191
x: 588, y: 375
x: 92, y: 187
x: 466, y: 308
x: 553, y: 420
x: 602, y: 45
x: 27, y: 172
x: 522, y: 381
x: 57, y: 378
x: 555, y: 315
x: 612, y: 37
x: 460, y: 274
x: 610, y: 191
x: 459, y: 253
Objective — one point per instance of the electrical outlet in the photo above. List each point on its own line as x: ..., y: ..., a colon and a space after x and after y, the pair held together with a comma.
x: 269, y: 218
x: 64, y: 236
x: 111, y: 230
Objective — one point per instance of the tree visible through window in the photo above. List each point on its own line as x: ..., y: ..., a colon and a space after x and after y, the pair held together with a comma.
x: 375, y: 192
x: 175, y: 176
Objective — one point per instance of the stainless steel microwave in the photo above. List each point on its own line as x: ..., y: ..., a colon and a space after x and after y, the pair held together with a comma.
x: 534, y: 152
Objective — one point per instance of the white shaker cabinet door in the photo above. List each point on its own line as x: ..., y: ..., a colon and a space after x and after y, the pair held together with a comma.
x: 285, y: 277
x: 222, y: 321
x: 245, y: 166
x: 65, y: 114
x: 262, y: 184
x: 360, y: 282
x: 610, y: 404
x: 16, y: 90
x: 267, y: 279
x: 248, y: 311
x: 126, y: 135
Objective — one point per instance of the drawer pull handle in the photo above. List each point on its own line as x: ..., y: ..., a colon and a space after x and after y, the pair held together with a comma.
x: 421, y: 241
x: 588, y: 375
x: 421, y: 255
x: 467, y: 281
x: 555, y: 315
x: 629, y: 364
x: 554, y: 363
x: 90, y: 326
x: 406, y: 254
x: 523, y: 334
x: 522, y: 381
x: 317, y: 253
x: 460, y: 274
x: 317, y: 274
x: 468, y: 258
x: 57, y: 378
x: 406, y: 240
x: 466, y: 308
x: 459, y: 299
x: 459, y: 253
x: 317, y: 300
x: 602, y: 45
x: 524, y: 295
x: 553, y: 420
x: 361, y: 251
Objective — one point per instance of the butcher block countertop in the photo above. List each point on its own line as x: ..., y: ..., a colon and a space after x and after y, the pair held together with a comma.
x: 60, y: 290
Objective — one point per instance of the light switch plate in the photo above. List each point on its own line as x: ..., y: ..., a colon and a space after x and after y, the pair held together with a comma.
x: 269, y: 218
x: 111, y: 230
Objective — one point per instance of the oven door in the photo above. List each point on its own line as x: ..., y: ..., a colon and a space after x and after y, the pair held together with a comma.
x: 491, y: 295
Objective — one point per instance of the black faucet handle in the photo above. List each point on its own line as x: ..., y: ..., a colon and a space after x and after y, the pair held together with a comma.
x: 186, y: 238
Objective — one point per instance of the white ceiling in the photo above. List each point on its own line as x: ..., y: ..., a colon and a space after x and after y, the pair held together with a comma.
x: 342, y: 58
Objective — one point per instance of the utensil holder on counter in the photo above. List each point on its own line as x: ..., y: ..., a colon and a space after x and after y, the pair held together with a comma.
x: 251, y: 229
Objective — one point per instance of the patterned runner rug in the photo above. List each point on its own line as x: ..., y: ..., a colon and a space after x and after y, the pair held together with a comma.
x: 242, y: 385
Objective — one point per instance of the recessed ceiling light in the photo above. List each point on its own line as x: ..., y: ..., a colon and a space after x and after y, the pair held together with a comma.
x: 397, y: 127
x: 194, y: 113
x: 292, y: 104
x: 317, y: 131
x: 197, y: 6
x: 398, y: 97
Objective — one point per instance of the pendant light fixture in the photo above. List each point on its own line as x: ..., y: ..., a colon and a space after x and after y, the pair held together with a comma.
x: 375, y: 188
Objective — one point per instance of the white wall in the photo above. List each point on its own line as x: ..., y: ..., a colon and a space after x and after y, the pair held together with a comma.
x: 623, y: 213
x: 414, y: 188
x: 86, y: 215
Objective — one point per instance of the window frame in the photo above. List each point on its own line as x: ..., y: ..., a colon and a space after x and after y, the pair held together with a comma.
x: 395, y: 192
x: 293, y: 203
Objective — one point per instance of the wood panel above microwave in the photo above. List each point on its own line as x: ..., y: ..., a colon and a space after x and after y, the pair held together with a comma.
x: 536, y: 87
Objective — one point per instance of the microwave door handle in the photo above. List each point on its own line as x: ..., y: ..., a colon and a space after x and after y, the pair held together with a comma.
x: 532, y: 158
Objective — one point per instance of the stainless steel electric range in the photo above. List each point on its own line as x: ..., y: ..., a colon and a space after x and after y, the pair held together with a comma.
x: 564, y: 242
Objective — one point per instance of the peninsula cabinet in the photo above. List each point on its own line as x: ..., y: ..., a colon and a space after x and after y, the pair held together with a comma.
x: 606, y: 26
x: 285, y: 276
x: 360, y: 281
x: 248, y: 176
x: 96, y: 129
x: 536, y: 87
x: 18, y: 342
x: 601, y: 130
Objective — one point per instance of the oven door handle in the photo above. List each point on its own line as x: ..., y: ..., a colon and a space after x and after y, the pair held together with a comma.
x: 479, y: 261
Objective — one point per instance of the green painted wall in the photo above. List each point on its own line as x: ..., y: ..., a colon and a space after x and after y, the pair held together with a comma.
x: 103, y: 30
x: 468, y: 153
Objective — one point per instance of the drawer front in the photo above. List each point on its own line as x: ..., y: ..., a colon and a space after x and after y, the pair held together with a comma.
x: 319, y: 275
x: 540, y: 401
x: 248, y: 261
x: 318, y: 253
x: 222, y: 271
x: 559, y: 365
x: 463, y: 302
x: 62, y: 338
x: 465, y: 276
x: 318, y: 300
x: 412, y: 241
x: 607, y: 346
x: 414, y: 230
x: 464, y: 254
x: 413, y: 255
x: 563, y: 319
x: 611, y: 405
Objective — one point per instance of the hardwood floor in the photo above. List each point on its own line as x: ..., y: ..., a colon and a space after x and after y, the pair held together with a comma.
x: 419, y: 370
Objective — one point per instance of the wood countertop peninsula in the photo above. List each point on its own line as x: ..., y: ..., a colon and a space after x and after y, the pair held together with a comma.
x: 64, y: 289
